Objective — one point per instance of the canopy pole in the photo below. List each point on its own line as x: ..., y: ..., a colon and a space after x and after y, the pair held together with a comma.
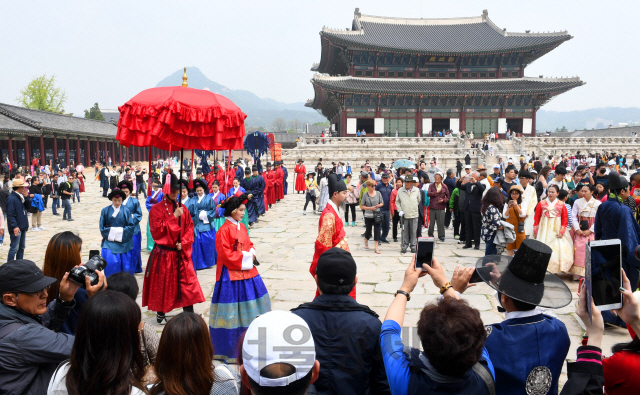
x: 180, y: 223
x: 150, y: 179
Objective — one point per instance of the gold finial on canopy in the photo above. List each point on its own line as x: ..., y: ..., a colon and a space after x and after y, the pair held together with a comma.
x: 184, y: 78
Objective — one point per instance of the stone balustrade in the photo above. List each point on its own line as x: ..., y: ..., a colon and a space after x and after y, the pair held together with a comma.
x: 359, y: 142
x: 559, y: 145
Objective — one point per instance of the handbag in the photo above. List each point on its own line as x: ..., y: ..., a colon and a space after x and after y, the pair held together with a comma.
x: 377, y: 217
x: 584, y: 225
x: 520, y: 227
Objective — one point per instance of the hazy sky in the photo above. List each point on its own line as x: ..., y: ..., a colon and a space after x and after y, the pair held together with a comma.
x: 107, y: 51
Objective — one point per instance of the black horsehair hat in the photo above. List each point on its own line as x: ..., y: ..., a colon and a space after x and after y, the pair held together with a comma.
x: 202, y: 184
x: 117, y: 192
x: 335, y: 185
x: 233, y: 202
x: 126, y: 184
x: 524, y: 277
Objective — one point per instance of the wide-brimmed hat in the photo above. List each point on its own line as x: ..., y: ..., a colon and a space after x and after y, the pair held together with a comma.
x: 615, y: 181
x: 335, y: 185
x: 524, y: 277
x: 17, y: 183
x: 117, y: 192
x: 516, y: 188
x: 312, y: 173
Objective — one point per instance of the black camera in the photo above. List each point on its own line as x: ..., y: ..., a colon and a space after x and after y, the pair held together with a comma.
x: 95, y: 263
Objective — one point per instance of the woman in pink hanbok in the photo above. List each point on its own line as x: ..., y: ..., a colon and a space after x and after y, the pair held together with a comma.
x: 583, y: 216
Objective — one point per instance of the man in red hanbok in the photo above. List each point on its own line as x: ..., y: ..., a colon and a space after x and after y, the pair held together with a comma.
x: 301, y: 172
x: 279, y: 184
x: 330, y: 227
x: 269, y: 181
x: 231, y: 174
x: 170, y: 280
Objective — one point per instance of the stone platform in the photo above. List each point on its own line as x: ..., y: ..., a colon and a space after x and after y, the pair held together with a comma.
x: 284, y: 240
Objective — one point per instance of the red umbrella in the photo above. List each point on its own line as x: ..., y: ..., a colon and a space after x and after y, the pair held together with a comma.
x: 180, y: 117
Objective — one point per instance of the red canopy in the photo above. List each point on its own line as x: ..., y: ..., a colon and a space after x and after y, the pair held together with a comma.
x: 177, y: 117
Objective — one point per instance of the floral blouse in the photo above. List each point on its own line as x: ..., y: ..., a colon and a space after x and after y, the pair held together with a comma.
x: 490, y: 222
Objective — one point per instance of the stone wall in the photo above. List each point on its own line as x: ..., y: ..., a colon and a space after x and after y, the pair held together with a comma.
x: 380, y: 149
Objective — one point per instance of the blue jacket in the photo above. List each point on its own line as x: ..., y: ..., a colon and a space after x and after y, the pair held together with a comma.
x: 37, y: 202
x: 158, y: 199
x: 346, y: 335
x: 206, y: 204
x: 122, y: 220
x: 385, y: 191
x: 518, y: 346
x: 104, y: 178
x: 255, y: 187
x: 136, y: 211
x: 17, y: 212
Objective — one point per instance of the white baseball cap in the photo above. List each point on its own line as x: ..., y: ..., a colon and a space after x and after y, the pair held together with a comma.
x: 467, y: 167
x: 612, y: 162
x: 278, y: 337
x: 496, y: 166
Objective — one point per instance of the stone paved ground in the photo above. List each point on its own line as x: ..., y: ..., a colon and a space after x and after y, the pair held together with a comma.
x: 284, y: 240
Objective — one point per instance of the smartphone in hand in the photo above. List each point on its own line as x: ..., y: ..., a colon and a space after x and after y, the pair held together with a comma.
x: 425, y: 251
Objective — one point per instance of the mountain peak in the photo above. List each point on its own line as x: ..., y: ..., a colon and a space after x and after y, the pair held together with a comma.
x: 260, y: 112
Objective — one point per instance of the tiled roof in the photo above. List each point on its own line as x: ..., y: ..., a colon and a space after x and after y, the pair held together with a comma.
x: 111, y: 114
x: 473, y: 35
x: 609, y: 132
x: 445, y: 87
x: 48, y: 121
x: 10, y: 125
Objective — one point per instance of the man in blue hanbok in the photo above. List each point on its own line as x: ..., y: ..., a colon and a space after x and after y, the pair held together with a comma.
x: 238, y: 170
x: 254, y: 185
x: 614, y: 220
x: 134, y: 208
x: 286, y: 175
x: 104, y: 180
x: 528, y: 348
x: 116, y: 227
x: 203, y: 212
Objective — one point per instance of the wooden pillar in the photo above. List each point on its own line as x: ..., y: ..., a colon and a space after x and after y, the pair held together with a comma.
x: 55, y: 148
x: 78, y: 156
x: 66, y: 147
x: 419, y: 130
x: 27, y: 156
x: 463, y: 120
x: 43, y: 157
x: 87, y: 153
x: 533, y: 124
x: 10, y: 150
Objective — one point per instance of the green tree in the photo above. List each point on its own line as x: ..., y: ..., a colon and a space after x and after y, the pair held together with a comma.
x: 94, y: 113
x: 42, y: 94
x: 325, y: 123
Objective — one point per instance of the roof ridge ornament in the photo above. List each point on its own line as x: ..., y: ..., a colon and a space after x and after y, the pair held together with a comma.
x: 184, y: 78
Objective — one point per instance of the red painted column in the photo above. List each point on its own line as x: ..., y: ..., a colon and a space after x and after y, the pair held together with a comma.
x: 66, y: 147
x: 42, y: 155
x: 27, y: 148
x: 343, y: 124
x: 418, y: 124
x: 463, y: 120
x: 55, y: 148
x: 78, y: 153
x: 10, y: 150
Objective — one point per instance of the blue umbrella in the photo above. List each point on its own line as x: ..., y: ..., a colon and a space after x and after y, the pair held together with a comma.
x: 403, y: 163
x: 257, y: 144
x: 203, y: 162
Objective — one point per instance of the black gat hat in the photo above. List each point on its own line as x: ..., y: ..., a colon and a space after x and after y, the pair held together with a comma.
x: 524, y: 277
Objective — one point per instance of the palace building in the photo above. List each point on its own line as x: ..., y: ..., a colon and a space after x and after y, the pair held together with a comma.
x: 427, y: 75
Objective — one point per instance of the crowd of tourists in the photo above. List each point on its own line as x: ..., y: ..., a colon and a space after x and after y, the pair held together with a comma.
x: 67, y: 329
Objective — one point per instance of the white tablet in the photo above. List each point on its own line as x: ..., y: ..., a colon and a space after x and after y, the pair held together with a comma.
x: 606, y: 274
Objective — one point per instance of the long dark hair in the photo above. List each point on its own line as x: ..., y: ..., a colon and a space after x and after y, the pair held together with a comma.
x: 62, y: 255
x: 493, y: 197
x: 632, y: 346
x: 184, y: 363
x: 106, y: 356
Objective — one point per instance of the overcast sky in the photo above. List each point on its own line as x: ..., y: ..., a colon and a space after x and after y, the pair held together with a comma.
x: 107, y: 51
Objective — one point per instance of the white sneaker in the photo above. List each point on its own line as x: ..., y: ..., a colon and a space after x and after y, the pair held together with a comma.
x: 41, y: 227
x: 35, y: 229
